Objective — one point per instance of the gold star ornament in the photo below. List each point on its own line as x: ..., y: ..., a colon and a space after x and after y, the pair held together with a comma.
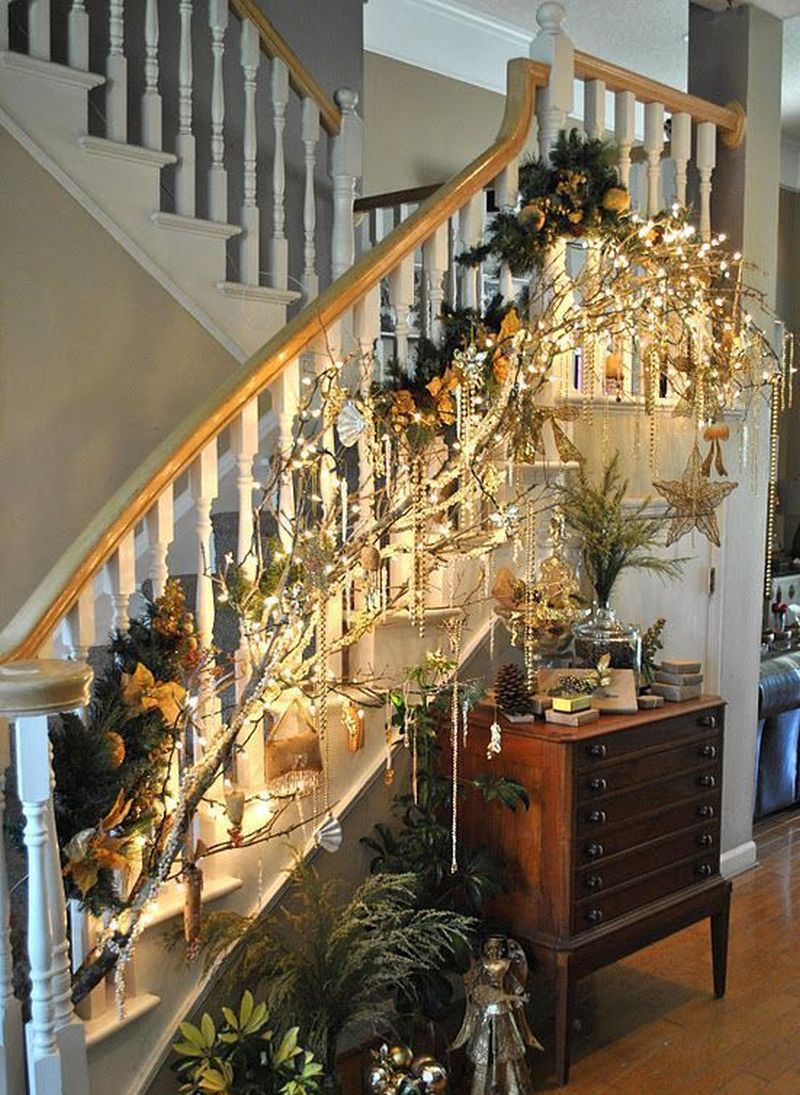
x: 693, y: 501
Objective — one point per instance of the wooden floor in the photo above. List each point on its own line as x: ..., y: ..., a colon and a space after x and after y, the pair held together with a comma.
x: 649, y: 1025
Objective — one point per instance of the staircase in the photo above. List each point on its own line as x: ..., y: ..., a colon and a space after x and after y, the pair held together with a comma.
x: 223, y: 268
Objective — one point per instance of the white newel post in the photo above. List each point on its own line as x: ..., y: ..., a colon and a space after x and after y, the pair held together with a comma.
x: 279, y: 245
x: 152, y: 130
x: 55, y: 1044
x: 552, y: 47
x: 77, y: 36
x: 310, y: 139
x: 116, y: 74
x: 39, y: 29
x: 12, y: 1072
x: 624, y: 132
x: 345, y: 170
x: 217, y: 175
x: 680, y: 145
x: 250, y: 58
x: 185, y: 189
x: 706, y: 162
x: 653, y: 146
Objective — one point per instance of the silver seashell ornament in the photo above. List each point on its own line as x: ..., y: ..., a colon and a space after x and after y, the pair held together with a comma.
x: 350, y: 424
x: 329, y: 835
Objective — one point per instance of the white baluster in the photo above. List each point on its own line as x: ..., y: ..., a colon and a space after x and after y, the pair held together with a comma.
x: 122, y: 573
x: 506, y: 197
x: 279, y: 245
x: 285, y: 399
x: 706, y: 162
x: 39, y: 29
x: 12, y: 1077
x: 217, y: 175
x: 680, y: 143
x: 552, y: 46
x: 78, y: 36
x: 250, y: 58
x: 470, y: 229
x: 624, y: 132
x: 346, y: 166
x: 244, y: 443
x: 401, y: 295
x: 203, y: 486
x: 152, y: 128
x: 310, y: 139
x: 82, y: 937
x: 185, y: 189
x: 116, y: 74
x: 160, y: 533
x: 81, y: 623
x: 435, y: 258
x: 594, y: 109
x: 653, y: 146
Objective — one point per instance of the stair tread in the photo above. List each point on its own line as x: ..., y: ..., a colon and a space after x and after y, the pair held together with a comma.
x: 50, y: 70
x: 107, y: 1024
x: 195, y: 225
x: 101, y: 146
x: 170, y: 905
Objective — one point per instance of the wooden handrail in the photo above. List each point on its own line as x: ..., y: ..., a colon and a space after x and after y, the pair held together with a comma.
x: 729, y: 120
x: 59, y: 590
x: 275, y: 45
x: 395, y: 197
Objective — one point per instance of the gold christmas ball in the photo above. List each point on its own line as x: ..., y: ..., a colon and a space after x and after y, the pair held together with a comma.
x: 370, y: 558
x: 616, y: 200
x: 377, y: 1078
x: 434, y: 1077
x: 400, y: 1056
x: 532, y: 212
x: 116, y: 749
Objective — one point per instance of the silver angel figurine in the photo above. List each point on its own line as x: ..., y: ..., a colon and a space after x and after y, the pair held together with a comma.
x: 495, y: 1028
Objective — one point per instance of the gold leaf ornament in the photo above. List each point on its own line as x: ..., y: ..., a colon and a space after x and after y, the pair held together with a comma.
x: 140, y: 692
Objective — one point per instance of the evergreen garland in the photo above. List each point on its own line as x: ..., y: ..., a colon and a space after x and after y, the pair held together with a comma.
x: 575, y: 194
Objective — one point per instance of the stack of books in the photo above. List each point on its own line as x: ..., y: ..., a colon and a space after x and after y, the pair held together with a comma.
x: 571, y: 710
x: 677, y: 680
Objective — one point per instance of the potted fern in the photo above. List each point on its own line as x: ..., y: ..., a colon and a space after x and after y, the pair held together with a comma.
x: 614, y: 537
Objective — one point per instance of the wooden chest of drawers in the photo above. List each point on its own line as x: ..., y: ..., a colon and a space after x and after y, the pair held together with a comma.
x: 620, y: 846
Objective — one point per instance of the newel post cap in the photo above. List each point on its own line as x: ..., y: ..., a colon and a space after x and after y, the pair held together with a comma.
x: 43, y: 687
x: 550, y: 16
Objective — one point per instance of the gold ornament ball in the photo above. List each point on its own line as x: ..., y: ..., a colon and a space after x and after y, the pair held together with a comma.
x: 377, y: 1078
x: 534, y: 213
x: 370, y: 558
x: 433, y: 1076
x: 616, y: 200
x: 400, y: 1056
x: 116, y: 749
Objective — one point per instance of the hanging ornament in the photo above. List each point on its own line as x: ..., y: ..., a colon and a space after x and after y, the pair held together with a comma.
x: 292, y: 753
x: 353, y: 719
x: 614, y: 375
x: 388, y: 772
x: 192, y: 909
x: 715, y: 435
x: 350, y: 424
x: 692, y: 501
x: 419, y: 557
x: 495, y: 746
x: 772, y: 483
x: 529, y: 641
x: 234, y: 809
x: 329, y: 835
x: 454, y: 625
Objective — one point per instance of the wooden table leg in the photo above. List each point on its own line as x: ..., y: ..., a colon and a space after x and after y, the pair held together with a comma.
x: 719, y: 943
x: 564, y: 992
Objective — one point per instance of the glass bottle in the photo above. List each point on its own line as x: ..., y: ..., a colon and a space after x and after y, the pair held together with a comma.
x: 602, y: 633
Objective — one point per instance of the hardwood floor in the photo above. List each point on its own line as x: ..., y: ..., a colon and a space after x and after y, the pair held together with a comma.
x: 649, y: 1025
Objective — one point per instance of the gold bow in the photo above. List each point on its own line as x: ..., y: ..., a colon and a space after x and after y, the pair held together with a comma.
x: 140, y: 693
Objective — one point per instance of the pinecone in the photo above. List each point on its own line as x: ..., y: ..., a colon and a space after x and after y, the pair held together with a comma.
x: 511, y: 691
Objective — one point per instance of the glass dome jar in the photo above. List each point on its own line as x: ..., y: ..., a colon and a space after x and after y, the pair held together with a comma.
x: 602, y: 633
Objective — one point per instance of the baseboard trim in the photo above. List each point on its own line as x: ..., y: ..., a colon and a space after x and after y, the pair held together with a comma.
x: 738, y: 860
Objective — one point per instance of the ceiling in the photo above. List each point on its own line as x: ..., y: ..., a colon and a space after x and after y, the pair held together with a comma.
x: 649, y: 36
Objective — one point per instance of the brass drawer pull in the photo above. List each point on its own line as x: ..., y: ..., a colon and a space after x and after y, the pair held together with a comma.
x: 594, y: 882
x: 709, y: 751
x: 594, y: 851
x: 597, y: 750
x: 709, y: 721
x: 594, y: 916
x: 706, y: 781
x: 703, y: 870
x: 705, y: 811
x: 705, y: 840
x: 597, y: 817
x: 598, y: 784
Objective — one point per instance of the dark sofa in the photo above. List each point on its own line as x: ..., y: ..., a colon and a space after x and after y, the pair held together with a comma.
x: 778, y: 742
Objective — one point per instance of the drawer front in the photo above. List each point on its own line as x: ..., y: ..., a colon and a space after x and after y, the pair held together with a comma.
x: 600, y: 908
x: 595, y: 818
x: 604, y: 842
x: 606, y: 873
x: 606, y: 748
x: 643, y: 768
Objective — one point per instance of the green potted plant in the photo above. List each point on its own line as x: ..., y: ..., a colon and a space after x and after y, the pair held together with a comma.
x: 614, y: 537
x: 244, y: 1055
